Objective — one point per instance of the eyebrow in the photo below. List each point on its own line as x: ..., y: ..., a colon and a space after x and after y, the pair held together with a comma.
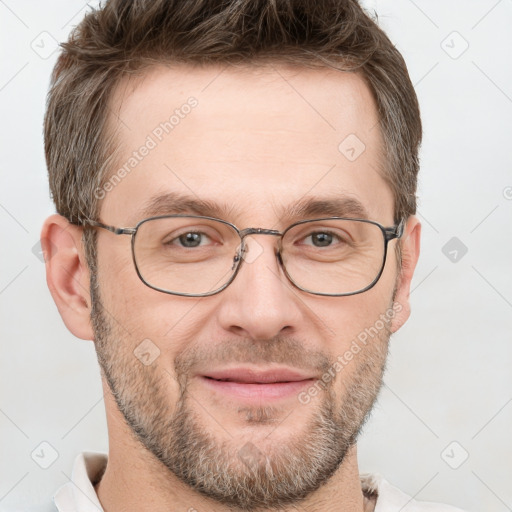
x: 175, y: 203
x: 340, y: 206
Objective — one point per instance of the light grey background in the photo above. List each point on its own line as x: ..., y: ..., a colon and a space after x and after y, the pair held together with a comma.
x: 448, y: 391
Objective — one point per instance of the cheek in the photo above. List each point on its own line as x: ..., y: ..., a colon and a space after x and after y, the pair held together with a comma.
x: 362, y: 338
x: 343, y: 318
x: 141, y: 313
x: 122, y: 296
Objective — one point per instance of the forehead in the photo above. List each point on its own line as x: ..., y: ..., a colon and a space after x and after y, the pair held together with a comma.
x: 255, y: 141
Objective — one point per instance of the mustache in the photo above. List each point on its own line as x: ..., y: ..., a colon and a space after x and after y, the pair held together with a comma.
x: 282, y: 350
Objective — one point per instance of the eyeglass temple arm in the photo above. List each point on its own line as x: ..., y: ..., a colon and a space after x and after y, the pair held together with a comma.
x: 396, y: 231
x: 112, y: 229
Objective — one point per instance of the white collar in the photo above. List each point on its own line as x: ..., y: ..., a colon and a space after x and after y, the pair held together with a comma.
x: 79, y: 495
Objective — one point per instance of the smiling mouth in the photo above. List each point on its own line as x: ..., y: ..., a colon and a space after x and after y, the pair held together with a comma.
x: 245, y: 375
x: 250, y: 386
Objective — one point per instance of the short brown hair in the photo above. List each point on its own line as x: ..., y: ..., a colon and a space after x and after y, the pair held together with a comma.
x: 126, y: 36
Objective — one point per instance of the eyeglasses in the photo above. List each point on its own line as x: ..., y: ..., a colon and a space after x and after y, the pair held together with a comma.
x: 197, y: 256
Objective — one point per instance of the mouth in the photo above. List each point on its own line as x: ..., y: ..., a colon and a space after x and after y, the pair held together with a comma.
x: 249, y: 384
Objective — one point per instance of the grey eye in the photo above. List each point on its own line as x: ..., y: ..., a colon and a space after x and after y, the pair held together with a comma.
x: 191, y: 239
x: 321, y: 239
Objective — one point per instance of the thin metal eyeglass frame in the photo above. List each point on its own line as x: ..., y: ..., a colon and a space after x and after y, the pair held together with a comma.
x: 388, y: 233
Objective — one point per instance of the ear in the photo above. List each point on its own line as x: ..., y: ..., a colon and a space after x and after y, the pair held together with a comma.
x: 410, y: 254
x: 67, y: 274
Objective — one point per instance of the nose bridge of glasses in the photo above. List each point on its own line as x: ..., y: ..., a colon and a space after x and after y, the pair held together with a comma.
x: 258, y: 231
x: 257, y: 248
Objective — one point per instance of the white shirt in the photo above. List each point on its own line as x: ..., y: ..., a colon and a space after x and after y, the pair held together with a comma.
x: 79, y: 494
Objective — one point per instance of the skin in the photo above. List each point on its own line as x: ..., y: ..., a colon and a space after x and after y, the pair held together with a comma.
x: 259, y: 141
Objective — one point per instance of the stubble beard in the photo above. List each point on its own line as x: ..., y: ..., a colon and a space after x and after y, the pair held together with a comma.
x: 240, y: 474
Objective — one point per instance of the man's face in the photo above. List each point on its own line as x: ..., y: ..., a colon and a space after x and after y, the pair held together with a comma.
x: 255, y: 144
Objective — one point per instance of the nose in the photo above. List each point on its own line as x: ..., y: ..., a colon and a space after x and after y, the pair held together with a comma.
x: 260, y: 303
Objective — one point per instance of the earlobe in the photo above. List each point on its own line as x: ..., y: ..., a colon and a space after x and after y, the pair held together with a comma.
x: 410, y: 254
x: 67, y: 274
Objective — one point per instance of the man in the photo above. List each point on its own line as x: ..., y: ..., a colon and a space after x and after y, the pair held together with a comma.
x: 235, y: 185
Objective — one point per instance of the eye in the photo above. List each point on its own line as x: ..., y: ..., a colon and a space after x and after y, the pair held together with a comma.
x: 190, y: 239
x: 322, y: 239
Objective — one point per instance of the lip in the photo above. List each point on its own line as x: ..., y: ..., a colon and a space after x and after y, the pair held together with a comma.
x: 255, y: 376
x: 257, y: 384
